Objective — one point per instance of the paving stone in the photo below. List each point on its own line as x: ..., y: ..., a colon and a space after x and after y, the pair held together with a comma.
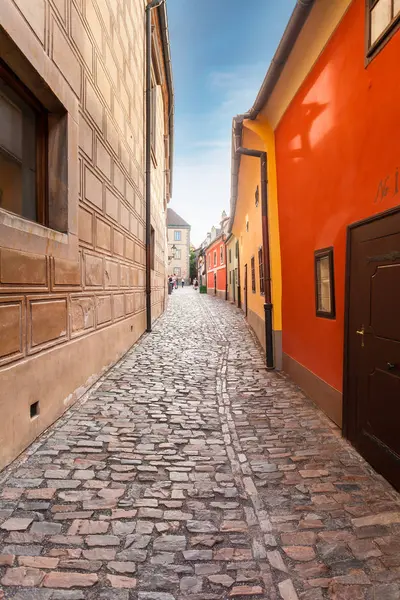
x: 22, y: 576
x: 211, y: 477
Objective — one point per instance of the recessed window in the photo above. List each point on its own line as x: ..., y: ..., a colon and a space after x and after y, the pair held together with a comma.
x: 23, y: 150
x: 237, y: 250
x: 253, y: 275
x: 177, y: 254
x: 230, y: 255
x: 383, y: 18
x: 177, y: 236
x: 215, y: 258
x: 221, y: 255
x: 324, y: 283
x: 261, y: 270
x: 177, y: 271
x: 230, y: 277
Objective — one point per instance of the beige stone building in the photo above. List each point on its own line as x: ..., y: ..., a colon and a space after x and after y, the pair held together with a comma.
x: 72, y: 198
x: 178, y: 246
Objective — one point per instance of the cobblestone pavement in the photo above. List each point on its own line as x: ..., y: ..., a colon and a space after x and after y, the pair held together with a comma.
x: 192, y: 473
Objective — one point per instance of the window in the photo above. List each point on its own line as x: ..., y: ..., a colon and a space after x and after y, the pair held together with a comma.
x: 230, y: 277
x: 257, y: 197
x: 152, y: 247
x: 383, y: 19
x: 253, y: 275
x: 23, y: 150
x: 177, y: 254
x: 215, y: 258
x: 177, y: 236
x: 261, y: 270
x: 177, y: 271
x: 230, y: 255
x: 237, y: 250
x: 221, y: 255
x: 324, y: 283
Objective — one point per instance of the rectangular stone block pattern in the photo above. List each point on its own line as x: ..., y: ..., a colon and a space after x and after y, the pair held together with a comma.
x: 118, y: 243
x: 93, y: 270
x: 81, y: 38
x: 119, y: 179
x: 66, y: 60
x: 93, y: 105
x: 103, y: 83
x: 10, y: 329
x: 21, y: 268
x: 34, y: 13
x: 81, y: 314
x: 86, y: 137
x: 67, y: 272
x: 111, y: 273
x: 119, y: 306
x: 93, y: 188
x: 112, y: 204
x: 103, y: 235
x: 103, y: 309
x: 129, y: 249
x: 124, y: 218
x: 85, y: 226
x: 103, y: 159
x: 48, y: 320
x: 124, y: 275
x: 94, y: 23
x: 130, y: 303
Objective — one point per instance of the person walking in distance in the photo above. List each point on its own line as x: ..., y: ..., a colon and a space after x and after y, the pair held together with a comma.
x: 183, y: 282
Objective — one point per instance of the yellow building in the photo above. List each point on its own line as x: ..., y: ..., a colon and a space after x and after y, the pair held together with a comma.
x: 232, y: 274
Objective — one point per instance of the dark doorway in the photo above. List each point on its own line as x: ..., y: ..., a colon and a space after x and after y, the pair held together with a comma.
x: 215, y: 283
x: 234, y: 285
x: 245, y: 290
x: 372, y: 351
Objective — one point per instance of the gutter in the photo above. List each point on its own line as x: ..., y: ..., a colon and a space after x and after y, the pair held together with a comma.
x: 295, y: 25
x: 162, y: 13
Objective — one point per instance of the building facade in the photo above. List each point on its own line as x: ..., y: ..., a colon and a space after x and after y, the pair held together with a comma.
x: 330, y: 101
x: 233, y: 271
x: 178, y: 246
x: 215, y: 253
x: 72, y: 204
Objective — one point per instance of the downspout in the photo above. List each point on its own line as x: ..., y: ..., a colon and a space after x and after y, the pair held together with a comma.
x: 149, y: 8
x: 269, y: 344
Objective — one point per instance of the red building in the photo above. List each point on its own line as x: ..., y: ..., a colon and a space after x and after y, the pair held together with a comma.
x: 337, y: 153
x: 216, y: 267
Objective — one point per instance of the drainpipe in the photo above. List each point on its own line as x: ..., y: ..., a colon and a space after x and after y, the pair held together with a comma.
x: 269, y: 345
x: 149, y: 8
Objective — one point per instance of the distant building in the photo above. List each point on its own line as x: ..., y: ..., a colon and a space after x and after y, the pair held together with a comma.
x: 178, y: 245
x: 216, y: 258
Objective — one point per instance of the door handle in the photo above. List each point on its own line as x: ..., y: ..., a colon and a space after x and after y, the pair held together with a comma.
x: 361, y: 332
x: 390, y: 366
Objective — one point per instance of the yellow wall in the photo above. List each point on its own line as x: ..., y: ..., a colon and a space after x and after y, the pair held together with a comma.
x: 258, y: 135
x: 230, y: 248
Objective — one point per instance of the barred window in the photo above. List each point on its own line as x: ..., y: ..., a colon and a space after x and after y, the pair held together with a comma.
x: 253, y: 275
x: 261, y: 270
x: 324, y: 284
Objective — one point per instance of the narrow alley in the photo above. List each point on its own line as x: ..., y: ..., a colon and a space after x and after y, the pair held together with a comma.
x: 190, y: 472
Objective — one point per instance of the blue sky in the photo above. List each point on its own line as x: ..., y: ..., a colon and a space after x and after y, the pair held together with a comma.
x: 221, y: 50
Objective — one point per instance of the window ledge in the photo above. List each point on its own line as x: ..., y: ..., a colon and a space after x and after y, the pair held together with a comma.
x: 16, y: 222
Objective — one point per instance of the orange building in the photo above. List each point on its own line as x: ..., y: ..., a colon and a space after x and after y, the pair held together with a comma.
x: 337, y: 153
x: 216, y: 267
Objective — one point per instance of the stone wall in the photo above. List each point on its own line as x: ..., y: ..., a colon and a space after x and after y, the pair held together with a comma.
x: 72, y: 302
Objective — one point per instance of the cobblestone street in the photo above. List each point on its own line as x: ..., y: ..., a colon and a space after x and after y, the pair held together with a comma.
x: 190, y: 472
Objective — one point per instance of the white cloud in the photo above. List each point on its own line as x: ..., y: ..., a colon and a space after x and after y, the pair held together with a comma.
x: 202, y: 168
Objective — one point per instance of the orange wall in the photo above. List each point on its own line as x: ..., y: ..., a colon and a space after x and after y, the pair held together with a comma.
x: 337, y: 141
x: 220, y: 268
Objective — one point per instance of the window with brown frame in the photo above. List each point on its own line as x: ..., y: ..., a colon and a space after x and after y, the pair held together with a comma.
x: 221, y: 255
x: 261, y: 270
x: 230, y: 255
x: 215, y: 258
x: 324, y: 283
x: 253, y: 275
x: 23, y: 150
x: 383, y: 18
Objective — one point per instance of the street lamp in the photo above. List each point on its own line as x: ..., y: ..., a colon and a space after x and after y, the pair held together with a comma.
x: 173, y: 249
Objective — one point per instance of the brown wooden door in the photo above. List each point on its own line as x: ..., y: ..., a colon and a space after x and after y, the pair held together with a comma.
x: 245, y: 290
x: 372, y: 403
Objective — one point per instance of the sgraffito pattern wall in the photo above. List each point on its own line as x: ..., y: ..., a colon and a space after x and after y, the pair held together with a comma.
x: 90, y: 302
